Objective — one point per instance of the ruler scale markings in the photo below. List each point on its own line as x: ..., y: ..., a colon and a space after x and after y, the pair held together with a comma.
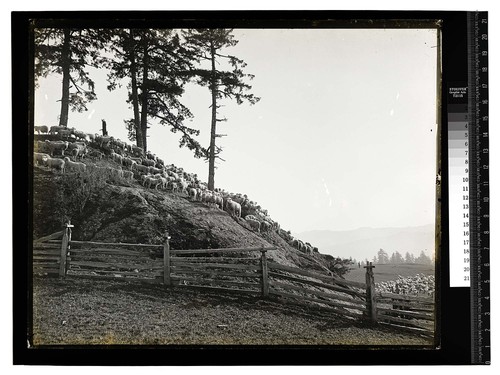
x: 479, y: 187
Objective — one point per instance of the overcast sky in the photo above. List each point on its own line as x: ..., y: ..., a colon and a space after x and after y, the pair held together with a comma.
x: 344, y: 135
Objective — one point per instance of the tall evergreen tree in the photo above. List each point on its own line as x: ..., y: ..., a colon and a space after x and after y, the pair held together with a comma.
x: 157, y: 65
x: 69, y: 52
x: 208, y: 45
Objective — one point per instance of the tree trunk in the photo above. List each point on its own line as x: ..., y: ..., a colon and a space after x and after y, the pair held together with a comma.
x: 135, y: 95
x: 65, y: 65
x: 144, y: 98
x: 213, y: 90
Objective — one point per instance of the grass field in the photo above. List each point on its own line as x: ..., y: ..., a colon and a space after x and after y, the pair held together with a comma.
x: 388, y: 272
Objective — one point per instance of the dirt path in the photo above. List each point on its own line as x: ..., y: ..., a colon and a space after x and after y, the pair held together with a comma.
x: 85, y: 311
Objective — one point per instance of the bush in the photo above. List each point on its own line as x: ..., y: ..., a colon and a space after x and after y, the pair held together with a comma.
x: 76, y: 191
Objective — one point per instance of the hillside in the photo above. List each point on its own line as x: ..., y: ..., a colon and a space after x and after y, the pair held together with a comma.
x: 363, y: 243
x: 111, y: 209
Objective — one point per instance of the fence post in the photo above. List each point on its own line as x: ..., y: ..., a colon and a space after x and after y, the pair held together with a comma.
x: 64, y: 249
x: 265, y: 274
x: 371, y: 305
x: 166, y: 261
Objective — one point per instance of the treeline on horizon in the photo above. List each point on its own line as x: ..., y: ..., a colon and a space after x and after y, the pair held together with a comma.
x: 396, y: 257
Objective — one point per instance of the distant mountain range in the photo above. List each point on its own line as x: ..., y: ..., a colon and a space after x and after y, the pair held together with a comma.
x: 364, y: 243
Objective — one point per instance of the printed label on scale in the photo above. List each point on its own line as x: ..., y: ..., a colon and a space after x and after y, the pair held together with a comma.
x: 458, y: 187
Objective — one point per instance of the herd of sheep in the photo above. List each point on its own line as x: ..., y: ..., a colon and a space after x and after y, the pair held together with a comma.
x: 149, y: 170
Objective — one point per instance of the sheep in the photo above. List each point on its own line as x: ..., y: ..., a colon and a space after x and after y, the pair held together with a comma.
x: 74, y: 166
x: 137, y: 151
x: 77, y: 149
x: 40, y: 158
x: 252, y: 217
x: 65, y: 133
x: 55, y: 163
x: 150, y: 181
x: 80, y: 135
x: 140, y: 168
x: 150, y: 156
x: 116, y: 157
x: 309, y: 248
x: 183, y: 185
x: 254, y: 224
x: 41, y: 146
x: 57, y: 146
x: 154, y: 170
x: 128, y: 162
x: 265, y: 226
x: 174, y: 187
x: 192, y: 193
x: 128, y: 175
x: 234, y: 208
x: 41, y: 129
x: 219, y: 202
x: 115, y: 173
x: 148, y: 162
x: 56, y: 129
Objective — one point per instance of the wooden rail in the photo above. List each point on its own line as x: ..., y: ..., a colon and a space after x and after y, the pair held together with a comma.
x: 229, y: 270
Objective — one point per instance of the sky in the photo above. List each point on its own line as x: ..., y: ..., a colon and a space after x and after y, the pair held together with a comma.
x: 344, y: 135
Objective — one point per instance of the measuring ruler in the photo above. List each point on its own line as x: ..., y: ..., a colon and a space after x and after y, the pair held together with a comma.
x: 477, y: 33
x: 468, y: 182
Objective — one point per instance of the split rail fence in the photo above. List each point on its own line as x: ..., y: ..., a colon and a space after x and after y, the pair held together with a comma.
x: 243, y: 270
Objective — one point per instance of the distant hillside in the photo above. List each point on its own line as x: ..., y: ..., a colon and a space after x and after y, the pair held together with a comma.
x: 365, y: 242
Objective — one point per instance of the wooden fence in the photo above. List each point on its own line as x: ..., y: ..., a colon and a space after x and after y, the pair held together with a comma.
x: 243, y: 270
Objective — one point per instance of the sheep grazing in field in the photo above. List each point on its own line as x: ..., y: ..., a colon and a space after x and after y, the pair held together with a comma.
x: 137, y: 151
x: 77, y: 149
x: 183, y: 186
x: 80, y: 135
x: 57, y: 164
x: 56, y: 129
x: 234, y: 208
x: 40, y: 158
x: 74, y: 166
x: 57, y: 146
x: 254, y: 224
x: 265, y: 226
x: 192, y: 193
x: 142, y: 169
x: 148, y: 162
x: 116, y: 157
x: 42, y: 147
x: 41, y: 129
x: 174, y: 187
x: 128, y: 162
x: 154, y: 170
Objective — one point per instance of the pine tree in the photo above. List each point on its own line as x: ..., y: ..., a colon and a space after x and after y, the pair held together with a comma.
x: 69, y: 52
x: 158, y: 68
x: 207, y: 46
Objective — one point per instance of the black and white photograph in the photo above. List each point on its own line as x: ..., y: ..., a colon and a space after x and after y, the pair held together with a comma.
x: 236, y: 186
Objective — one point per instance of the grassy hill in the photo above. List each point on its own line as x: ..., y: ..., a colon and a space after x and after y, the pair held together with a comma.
x: 111, y: 209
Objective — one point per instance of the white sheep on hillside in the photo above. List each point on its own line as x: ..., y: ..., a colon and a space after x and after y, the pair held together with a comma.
x: 254, y: 224
x: 41, y: 129
x: 234, y: 208
x: 59, y: 146
x: 55, y: 163
x: 74, y: 166
x: 40, y: 158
